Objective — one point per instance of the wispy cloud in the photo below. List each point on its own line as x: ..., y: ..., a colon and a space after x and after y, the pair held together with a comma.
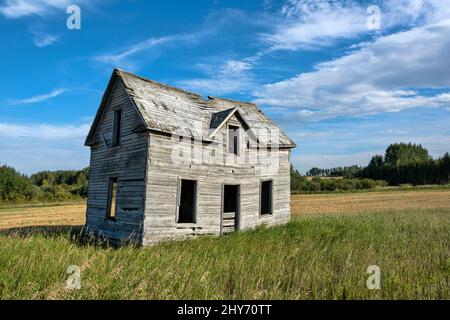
x: 122, y: 57
x: 44, y: 40
x: 217, y: 25
x: 15, y: 9
x: 147, y: 44
x: 37, y: 98
x: 312, y: 134
x: 222, y: 77
x: 43, y: 131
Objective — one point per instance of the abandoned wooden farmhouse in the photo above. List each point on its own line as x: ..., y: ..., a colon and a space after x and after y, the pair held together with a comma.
x: 169, y: 164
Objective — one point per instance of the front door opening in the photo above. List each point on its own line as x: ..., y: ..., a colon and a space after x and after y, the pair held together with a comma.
x: 230, y: 208
x: 188, y: 192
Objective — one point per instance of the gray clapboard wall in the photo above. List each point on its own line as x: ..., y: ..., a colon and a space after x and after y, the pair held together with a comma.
x: 149, y: 170
x: 126, y: 162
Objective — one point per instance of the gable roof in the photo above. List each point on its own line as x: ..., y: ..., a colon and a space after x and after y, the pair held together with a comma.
x: 167, y: 109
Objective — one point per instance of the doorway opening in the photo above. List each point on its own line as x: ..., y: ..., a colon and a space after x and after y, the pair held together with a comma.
x: 231, y: 208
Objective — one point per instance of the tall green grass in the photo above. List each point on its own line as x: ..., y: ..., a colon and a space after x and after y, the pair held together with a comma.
x: 321, y: 257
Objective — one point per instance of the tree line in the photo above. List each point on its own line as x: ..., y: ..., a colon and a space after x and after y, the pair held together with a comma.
x: 402, y: 163
x: 408, y: 164
x: 45, y: 186
x: 346, y: 172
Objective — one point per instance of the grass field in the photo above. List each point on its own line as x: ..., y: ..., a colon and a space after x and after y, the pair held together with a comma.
x: 322, y: 254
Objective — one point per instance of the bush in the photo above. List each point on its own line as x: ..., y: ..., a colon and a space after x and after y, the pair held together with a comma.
x: 300, y: 184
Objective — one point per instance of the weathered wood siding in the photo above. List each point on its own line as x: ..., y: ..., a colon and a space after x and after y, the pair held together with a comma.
x: 127, y: 162
x: 163, y: 180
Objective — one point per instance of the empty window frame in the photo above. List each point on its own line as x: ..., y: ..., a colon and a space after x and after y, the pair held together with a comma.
x: 233, y: 140
x: 111, y: 209
x: 117, y: 128
x: 266, y: 196
x: 187, y: 201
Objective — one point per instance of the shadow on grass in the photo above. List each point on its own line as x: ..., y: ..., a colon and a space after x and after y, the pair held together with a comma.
x: 46, y: 231
x: 76, y: 234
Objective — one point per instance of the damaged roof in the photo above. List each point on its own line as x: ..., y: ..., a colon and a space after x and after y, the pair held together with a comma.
x: 167, y: 109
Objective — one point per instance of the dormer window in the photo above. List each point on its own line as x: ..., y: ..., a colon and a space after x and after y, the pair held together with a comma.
x: 117, y: 128
x: 233, y: 140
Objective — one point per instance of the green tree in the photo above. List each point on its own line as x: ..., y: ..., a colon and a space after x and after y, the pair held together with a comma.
x: 314, y: 172
x: 13, y: 185
x: 400, y: 154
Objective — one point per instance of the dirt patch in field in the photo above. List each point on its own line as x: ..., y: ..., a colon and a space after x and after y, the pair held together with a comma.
x: 365, y: 202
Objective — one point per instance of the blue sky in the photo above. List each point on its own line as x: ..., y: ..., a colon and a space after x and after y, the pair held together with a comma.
x: 340, y: 89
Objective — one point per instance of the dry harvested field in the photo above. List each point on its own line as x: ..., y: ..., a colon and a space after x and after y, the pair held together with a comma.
x: 369, y: 202
x: 74, y: 214
x: 45, y: 215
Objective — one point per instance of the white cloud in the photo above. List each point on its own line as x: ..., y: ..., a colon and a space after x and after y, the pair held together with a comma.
x: 312, y: 24
x: 35, y: 147
x: 43, y: 131
x: 377, y: 77
x: 413, y: 12
x: 305, y: 24
x: 29, y: 156
x: 44, y: 10
x: 394, y: 131
x: 38, y: 98
x: 15, y: 9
